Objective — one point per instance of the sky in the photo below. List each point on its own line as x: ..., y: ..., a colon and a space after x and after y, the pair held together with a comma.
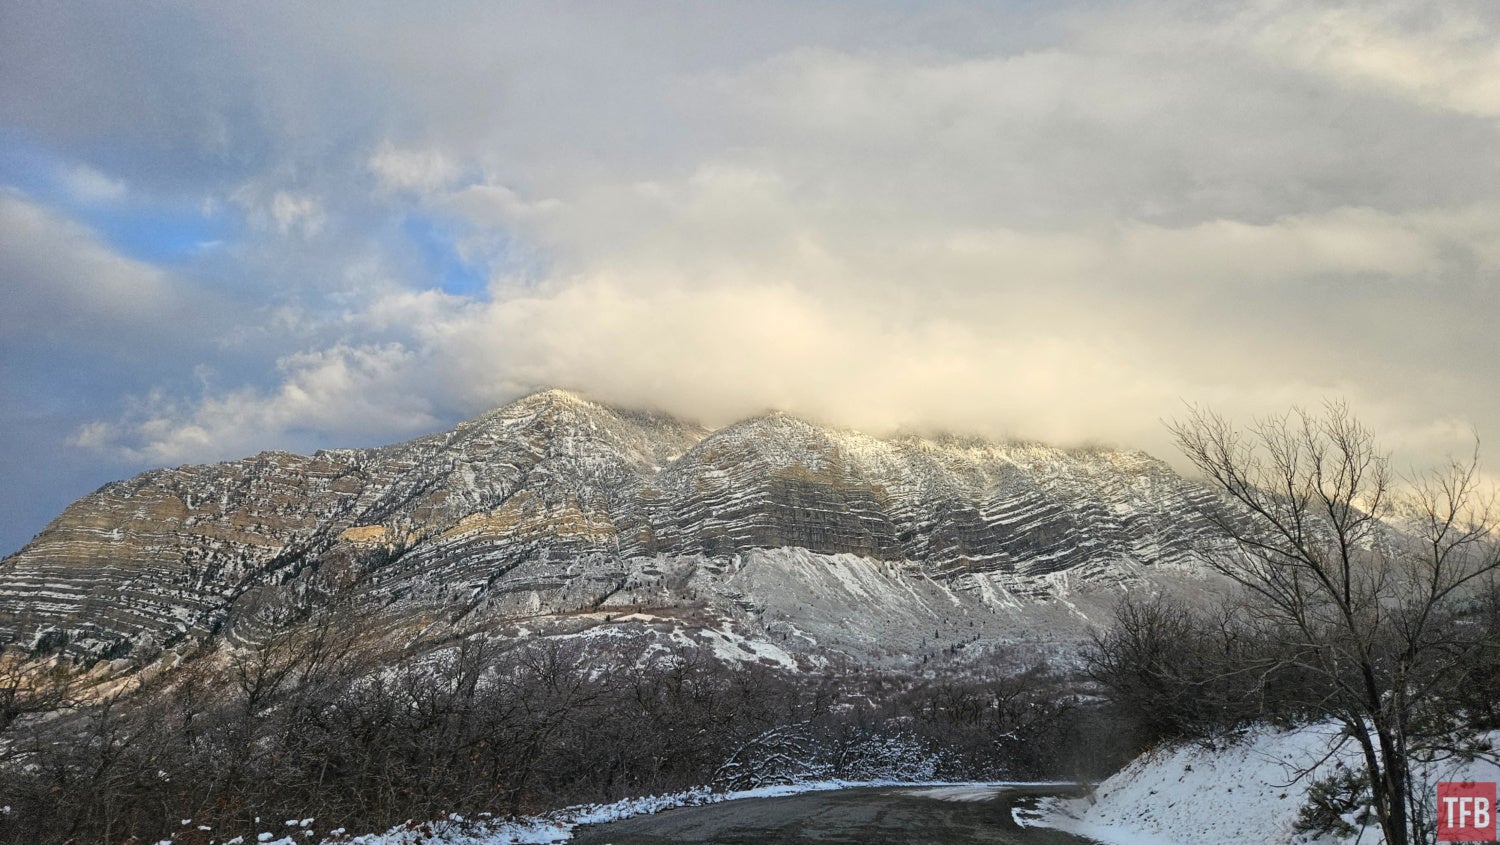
x: 228, y: 228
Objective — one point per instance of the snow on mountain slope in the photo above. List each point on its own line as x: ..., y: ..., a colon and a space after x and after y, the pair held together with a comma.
x: 815, y: 537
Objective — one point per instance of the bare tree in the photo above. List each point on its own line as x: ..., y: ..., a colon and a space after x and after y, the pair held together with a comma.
x: 30, y: 686
x: 1369, y: 583
x: 1177, y: 672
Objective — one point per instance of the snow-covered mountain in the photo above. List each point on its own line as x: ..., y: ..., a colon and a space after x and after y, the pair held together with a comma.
x: 773, y: 539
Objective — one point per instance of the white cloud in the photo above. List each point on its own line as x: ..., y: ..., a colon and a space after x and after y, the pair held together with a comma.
x: 278, y: 210
x: 1006, y: 335
x: 297, y: 213
x: 356, y: 391
x: 422, y: 171
x: 1450, y: 61
x: 91, y: 187
x: 497, y: 205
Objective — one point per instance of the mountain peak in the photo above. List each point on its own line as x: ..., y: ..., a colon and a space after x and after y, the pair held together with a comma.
x: 552, y: 396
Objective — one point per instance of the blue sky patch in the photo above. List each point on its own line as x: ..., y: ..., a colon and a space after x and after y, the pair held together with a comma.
x: 140, y: 226
x: 436, y: 242
x: 159, y: 234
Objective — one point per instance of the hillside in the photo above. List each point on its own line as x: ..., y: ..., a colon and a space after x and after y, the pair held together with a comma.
x: 1249, y: 791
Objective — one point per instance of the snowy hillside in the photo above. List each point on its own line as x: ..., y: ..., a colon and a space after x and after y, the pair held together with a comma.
x: 1248, y: 792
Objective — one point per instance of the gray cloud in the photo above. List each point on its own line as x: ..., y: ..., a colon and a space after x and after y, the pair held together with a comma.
x: 69, y: 291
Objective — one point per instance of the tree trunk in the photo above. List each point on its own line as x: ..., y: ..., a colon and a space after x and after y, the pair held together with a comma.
x: 1395, y: 785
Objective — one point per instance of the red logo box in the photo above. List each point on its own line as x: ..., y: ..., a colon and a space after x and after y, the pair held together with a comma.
x: 1465, y: 811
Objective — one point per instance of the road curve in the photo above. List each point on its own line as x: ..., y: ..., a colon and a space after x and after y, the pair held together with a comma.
x: 863, y: 816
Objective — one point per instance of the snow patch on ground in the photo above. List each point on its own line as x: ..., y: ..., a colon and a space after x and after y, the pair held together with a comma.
x: 1248, y: 792
x: 982, y: 792
x: 730, y: 646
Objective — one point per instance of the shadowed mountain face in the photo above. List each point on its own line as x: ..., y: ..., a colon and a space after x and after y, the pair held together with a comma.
x: 778, y: 529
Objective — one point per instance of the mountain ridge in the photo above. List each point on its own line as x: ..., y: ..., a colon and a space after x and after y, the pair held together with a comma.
x: 558, y: 503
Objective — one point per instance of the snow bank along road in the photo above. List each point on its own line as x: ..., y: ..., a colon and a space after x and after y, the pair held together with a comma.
x: 865, y: 816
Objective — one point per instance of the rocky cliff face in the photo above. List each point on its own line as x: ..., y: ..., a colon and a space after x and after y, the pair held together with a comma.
x: 557, y: 505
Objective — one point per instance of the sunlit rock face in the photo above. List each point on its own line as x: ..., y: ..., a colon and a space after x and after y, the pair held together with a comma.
x: 556, y: 505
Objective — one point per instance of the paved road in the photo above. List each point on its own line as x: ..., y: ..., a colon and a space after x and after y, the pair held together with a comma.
x: 866, y: 816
